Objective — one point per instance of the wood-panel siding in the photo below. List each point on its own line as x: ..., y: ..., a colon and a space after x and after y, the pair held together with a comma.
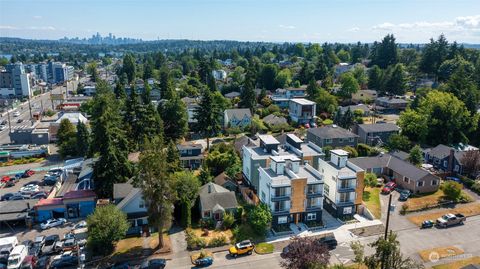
x: 298, y: 195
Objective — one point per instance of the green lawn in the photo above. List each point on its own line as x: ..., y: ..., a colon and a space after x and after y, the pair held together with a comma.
x: 371, y: 198
x: 264, y: 248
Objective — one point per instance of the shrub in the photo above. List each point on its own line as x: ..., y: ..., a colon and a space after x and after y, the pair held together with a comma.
x: 218, y: 241
x: 352, y: 152
x: 452, y: 190
x: 476, y: 187
x: 194, y: 242
x: 207, y: 223
x: 404, y: 209
x: 228, y: 220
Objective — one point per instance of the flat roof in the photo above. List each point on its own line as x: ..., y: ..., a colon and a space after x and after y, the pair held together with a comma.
x: 302, y: 101
x: 268, y: 139
x: 339, y: 152
x: 283, y: 158
x: 295, y: 138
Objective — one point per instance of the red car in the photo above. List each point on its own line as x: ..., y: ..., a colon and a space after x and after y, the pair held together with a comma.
x: 5, y: 179
x: 389, y: 187
x: 28, y: 173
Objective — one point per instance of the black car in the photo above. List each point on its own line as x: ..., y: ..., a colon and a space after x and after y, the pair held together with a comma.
x: 65, y: 262
x: 6, y: 196
x: 120, y: 265
x: 27, y: 243
x: 4, y: 253
x: 329, y: 241
x: 50, y: 244
x: 43, y: 262
x: 154, y: 264
x: 19, y: 120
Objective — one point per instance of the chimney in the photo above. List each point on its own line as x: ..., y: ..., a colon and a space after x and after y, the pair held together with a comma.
x: 209, y: 188
x: 450, y: 160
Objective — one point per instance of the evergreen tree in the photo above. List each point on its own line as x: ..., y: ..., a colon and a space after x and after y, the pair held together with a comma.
x: 173, y: 158
x: 247, y: 96
x: 313, y: 90
x: 166, y: 86
x: 129, y: 67
x: 321, y: 70
x: 186, y: 186
x: 396, y: 81
x: 175, y: 118
x: 375, y: 77
x: 158, y: 186
x: 109, y: 142
x: 208, y: 116
x: 385, y: 53
x: 67, y: 139
x: 83, y: 139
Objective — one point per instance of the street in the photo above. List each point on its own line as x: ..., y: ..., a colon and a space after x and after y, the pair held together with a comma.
x: 411, y: 240
x: 36, y: 102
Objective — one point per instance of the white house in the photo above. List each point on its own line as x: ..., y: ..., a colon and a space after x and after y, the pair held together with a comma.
x: 343, y: 187
x: 219, y: 74
x: 130, y: 201
x: 302, y: 111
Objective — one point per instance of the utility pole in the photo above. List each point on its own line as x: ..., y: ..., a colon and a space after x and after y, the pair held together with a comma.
x: 9, y: 124
x: 30, y: 107
x: 388, y: 215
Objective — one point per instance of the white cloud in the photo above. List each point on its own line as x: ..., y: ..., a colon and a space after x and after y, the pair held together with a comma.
x: 37, y: 17
x: 469, y: 21
x: 353, y: 29
x: 290, y: 27
x: 42, y: 28
x: 8, y: 27
x: 458, y: 24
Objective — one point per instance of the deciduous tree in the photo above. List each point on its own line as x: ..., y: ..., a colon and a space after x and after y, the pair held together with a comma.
x: 106, y: 226
x: 305, y: 253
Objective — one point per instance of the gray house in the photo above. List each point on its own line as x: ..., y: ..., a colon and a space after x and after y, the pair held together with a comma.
x: 447, y: 159
x: 373, y: 134
x: 237, y: 117
x: 215, y: 201
x: 333, y: 136
x: 405, y: 174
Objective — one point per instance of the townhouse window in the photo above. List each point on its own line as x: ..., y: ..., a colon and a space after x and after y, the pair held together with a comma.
x: 351, y: 139
x: 282, y: 220
x: 340, y: 140
x: 263, y: 196
x: 445, y: 164
x: 434, y: 182
x: 457, y: 168
x: 326, y: 189
x: 328, y: 141
x: 420, y: 184
x: 141, y: 204
x: 311, y: 216
x: 189, y: 152
x: 206, y: 214
x: 313, y: 202
x: 406, y: 179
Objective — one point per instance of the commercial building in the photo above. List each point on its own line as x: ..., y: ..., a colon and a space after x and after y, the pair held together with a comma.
x: 14, y: 81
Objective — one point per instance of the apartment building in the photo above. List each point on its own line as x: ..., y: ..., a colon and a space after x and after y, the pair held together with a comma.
x: 256, y: 154
x: 343, y: 184
x: 292, y: 190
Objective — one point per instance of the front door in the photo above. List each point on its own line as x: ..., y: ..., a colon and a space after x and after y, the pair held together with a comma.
x: 217, y: 216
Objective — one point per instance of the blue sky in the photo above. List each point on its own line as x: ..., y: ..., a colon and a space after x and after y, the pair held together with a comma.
x: 254, y: 20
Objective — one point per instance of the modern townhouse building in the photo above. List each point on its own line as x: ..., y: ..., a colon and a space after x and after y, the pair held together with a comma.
x: 343, y: 184
x: 302, y: 111
x: 293, y: 191
x: 256, y: 154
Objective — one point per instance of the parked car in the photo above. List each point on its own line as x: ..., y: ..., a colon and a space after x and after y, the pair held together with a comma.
x: 69, y: 245
x: 16, y: 114
x: 389, y: 187
x: 6, y: 196
x: 207, y: 261
x: 64, y: 262
x: 50, y: 180
x: 329, y: 241
x: 19, y: 120
x: 16, y: 257
x: 3, y: 127
x: 38, y: 243
x: 43, y: 262
x: 427, y: 224
x: 80, y: 225
x: 52, y: 223
x: 120, y: 265
x: 404, y: 195
x: 244, y: 247
x: 154, y: 264
x: 450, y: 220
x: 28, y: 173
x: 29, y: 262
x: 9, y: 183
x: 4, y: 253
x: 69, y: 235
x: 17, y: 196
x: 28, y: 243
x: 29, y: 189
x: 50, y: 244
x: 39, y: 195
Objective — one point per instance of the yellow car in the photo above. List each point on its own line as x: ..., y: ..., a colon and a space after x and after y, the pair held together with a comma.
x: 244, y: 247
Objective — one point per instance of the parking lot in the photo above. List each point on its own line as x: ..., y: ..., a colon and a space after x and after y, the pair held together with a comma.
x: 34, y: 179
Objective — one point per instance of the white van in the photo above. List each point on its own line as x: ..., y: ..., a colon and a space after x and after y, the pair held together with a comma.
x: 16, y: 257
x: 8, y: 242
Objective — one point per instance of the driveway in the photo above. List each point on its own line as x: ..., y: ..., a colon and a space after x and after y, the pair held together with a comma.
x: 397, y: 221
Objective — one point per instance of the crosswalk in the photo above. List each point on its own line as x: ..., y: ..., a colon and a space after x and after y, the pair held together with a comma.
x: 16, y: 127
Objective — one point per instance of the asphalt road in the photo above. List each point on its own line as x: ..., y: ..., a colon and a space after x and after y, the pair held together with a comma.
x: 36, y: 103
x: 411, y: 240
